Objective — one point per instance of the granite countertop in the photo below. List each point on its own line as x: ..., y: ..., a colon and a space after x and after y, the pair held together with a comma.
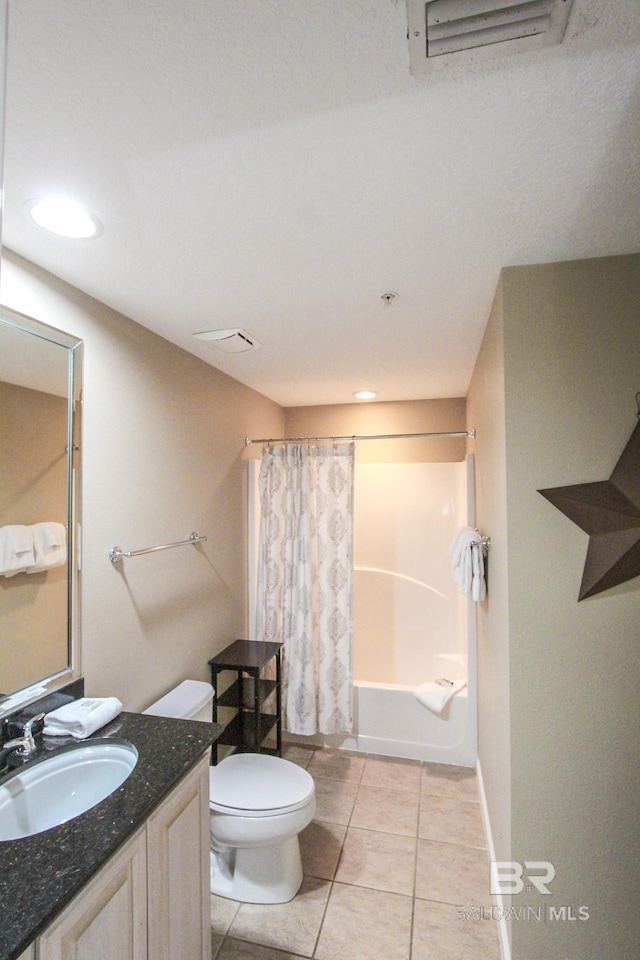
x: 39, y: 875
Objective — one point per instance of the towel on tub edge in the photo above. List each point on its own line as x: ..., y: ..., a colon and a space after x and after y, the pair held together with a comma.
x: 436, y: 694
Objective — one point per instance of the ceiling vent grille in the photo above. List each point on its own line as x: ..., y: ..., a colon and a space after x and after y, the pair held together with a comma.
x: 233, y: 340
x: 439, y: 27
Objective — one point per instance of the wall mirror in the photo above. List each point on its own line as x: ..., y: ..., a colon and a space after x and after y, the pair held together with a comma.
x: 40, y: 410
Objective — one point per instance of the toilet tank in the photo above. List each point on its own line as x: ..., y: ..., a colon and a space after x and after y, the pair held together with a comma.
x: 190, y: 700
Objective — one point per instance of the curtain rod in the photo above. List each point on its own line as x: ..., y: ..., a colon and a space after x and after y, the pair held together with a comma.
x: 382, y: 436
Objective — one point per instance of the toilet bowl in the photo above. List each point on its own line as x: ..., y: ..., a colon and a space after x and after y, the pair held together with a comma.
x: 258, y: 803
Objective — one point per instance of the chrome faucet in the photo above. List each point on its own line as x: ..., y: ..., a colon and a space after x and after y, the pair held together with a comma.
x: 24, y: 746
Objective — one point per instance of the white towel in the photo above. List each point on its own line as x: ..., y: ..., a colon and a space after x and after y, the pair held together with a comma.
x: 50, y: 546
x: 16, y: 549
x: 82, y: 717
x: 461, y: 560
x: 467, y: 563
x: 478, y: 583
x: 435, y: 694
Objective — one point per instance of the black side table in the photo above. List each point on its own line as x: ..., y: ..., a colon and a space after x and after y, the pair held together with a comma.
x: 250, y: 726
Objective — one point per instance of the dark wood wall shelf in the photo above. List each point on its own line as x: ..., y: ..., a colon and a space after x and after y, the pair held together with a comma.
x: 247, y: 731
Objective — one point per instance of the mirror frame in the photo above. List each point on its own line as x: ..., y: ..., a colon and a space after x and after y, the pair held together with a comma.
x: 19, y: 699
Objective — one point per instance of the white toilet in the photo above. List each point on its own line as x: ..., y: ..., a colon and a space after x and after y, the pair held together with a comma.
x: 259, y: 804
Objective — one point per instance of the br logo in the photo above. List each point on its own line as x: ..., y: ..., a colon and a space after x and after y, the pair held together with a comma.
x: 512, y: 876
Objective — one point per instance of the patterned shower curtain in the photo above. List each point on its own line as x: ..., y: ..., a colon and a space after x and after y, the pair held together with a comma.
x: 305, y: 580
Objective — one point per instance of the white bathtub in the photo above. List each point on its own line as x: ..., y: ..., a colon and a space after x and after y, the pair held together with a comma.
x: 389, y: 721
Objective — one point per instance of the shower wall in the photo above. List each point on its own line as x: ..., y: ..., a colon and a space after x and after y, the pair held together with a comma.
x: 410, y: 619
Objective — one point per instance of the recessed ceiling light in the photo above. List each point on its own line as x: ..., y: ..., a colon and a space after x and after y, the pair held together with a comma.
x: 365, y: 394
x: 64, y: 217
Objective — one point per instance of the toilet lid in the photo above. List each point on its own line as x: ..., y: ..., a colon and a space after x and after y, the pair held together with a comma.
x: 257, y: 783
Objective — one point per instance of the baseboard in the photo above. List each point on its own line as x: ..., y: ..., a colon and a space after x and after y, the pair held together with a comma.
x: 503, y: 933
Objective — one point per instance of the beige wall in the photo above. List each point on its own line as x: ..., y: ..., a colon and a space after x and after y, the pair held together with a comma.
x: 163, y: 455
x: 571, y: 370
x: 402, y: 416
x: 485, y: 412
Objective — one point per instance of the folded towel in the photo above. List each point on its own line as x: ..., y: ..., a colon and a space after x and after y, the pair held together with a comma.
x: 435, y: 694
x: 49, y: 545
x: 16, y: 549
x: 82, y: 717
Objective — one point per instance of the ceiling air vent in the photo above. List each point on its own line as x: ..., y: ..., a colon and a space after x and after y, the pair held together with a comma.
x: 439, y: 27
x: 233, y: 340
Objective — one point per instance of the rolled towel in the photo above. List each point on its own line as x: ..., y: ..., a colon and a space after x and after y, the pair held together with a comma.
x: 16, y: 549
x: 82, y: 717
x: 49, y: 546
x: 435, y: 694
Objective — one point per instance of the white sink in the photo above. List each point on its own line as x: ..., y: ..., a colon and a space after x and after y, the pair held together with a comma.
x: 49, y: 792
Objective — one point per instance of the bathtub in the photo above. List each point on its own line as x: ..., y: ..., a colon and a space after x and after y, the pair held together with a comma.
x: 390, y: 722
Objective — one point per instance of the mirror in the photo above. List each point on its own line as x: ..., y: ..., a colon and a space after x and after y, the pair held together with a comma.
x: 40, y: 404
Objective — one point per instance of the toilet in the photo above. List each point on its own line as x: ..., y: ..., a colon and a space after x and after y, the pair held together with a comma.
x: 259, y: 803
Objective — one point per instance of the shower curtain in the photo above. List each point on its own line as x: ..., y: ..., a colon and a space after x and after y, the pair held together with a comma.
x: 305, y: 580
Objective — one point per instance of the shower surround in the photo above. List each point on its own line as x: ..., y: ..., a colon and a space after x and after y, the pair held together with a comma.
x: 411, y: 623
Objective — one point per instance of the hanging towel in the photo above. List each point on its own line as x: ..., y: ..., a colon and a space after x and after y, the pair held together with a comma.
x: 82, y: 717
x: 478, y: 583
x: 435, y: 694
x: 49, y: 545
x: 467, y: 563
x: 16, y: 549
x: 461, y: 558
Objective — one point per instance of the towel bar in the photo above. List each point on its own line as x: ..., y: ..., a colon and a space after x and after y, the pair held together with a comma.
x: 116, y: 553
x: 484, y: 542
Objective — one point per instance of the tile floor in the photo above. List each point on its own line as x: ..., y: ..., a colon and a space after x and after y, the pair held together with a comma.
x: 394, y: 857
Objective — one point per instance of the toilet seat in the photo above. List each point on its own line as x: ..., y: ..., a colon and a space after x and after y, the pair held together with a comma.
x: 258, y: 785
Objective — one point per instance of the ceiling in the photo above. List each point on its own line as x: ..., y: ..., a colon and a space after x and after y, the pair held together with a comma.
x: 274, y: 165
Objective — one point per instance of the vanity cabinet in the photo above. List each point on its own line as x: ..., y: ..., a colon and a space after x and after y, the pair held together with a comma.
x: 151, y: 901
x: 109, y: 918
x: 178, y: 868
x: 247, y: 694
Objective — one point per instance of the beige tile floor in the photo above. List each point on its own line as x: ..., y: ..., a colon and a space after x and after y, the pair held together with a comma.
x: 394, y: 864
